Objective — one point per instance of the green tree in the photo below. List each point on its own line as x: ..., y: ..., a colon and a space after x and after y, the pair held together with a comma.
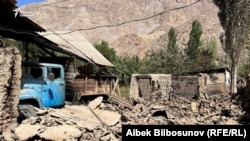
x: 155, y: 61
x: 174, y: 58
x: 244, y: 68
x: 234, y: 16
x: 193, y: 45
x: 194, y: 39
x: 106, y: 51
x: 158, y: 61
x: 207, y: 54
x: 125, y: 65
x: 167, y: 60
x: 172, y: 47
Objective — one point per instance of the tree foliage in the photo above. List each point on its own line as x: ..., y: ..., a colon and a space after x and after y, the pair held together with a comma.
x: 165, y: 60
x: 192, y: 50
x: 33, y: 51
x: 174, y: 57
x: 207, y: 54
x: 155, y: 61
x: 125, y: 65
x: 199, y: 54
x: 194, y: 40
x: 106, y: 51
x: 234, y: 16
x: 172, y: 48
x: 244, y: 68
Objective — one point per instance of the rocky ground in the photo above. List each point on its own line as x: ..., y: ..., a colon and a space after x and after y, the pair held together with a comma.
x: 102, y: 119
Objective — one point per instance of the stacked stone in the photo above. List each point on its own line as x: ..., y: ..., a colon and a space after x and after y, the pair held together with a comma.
x: 201, y: 88
x: 156, y: 88
x: 10, y: 74
x: 163, y: 90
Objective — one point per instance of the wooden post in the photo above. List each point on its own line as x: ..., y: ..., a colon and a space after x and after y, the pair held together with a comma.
x: 85, y: 86
x: 116, y: 84
x: 25, y: 45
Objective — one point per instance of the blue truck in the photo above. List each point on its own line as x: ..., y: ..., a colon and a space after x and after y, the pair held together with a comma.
x: 52, y: 80
x: 42, y: 85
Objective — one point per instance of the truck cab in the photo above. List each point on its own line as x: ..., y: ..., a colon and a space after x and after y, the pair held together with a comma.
x: 42, y: 85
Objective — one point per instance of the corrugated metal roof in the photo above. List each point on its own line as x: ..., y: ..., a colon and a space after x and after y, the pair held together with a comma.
x: 77, y: 44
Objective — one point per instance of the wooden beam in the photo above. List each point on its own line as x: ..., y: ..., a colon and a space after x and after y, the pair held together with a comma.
x: 116, y: 84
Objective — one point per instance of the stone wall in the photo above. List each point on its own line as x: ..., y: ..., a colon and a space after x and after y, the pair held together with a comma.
x: 161, y: 87
x: 185, y: 86
x: 152, y: 87
x: 10, y: 75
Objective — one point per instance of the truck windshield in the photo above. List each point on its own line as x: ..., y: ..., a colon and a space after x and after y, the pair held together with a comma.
x: 32, y: 72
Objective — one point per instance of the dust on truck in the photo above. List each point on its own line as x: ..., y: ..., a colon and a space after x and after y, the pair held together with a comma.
x: 42, y: 85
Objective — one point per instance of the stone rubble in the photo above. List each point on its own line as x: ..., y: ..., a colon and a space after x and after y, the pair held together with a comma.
x: 104, y: 122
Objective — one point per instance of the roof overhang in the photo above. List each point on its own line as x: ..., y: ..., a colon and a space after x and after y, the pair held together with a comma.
x: 76, y: 44
x: 14, y: 25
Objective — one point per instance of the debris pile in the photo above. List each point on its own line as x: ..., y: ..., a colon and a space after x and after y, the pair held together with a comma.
x: 73, y: 122
x: 179, y: 111
x: 103, y: 120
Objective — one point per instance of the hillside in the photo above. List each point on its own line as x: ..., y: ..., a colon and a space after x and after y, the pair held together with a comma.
x: 129, y: 26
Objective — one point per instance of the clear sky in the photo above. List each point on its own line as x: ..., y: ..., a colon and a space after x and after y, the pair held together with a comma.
x: 24, y: 2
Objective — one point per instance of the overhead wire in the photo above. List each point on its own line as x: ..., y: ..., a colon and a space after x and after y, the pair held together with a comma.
x: 90, y: 60
x: 107, y: 25
x: 101, y: 26
x: 129, y: 21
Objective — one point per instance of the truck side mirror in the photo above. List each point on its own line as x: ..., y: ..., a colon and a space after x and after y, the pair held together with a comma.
x: 51, y: 76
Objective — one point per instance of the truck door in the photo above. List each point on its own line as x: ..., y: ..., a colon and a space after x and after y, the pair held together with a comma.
x: 55, y: 95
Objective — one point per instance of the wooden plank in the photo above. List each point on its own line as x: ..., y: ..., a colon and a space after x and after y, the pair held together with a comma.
x: 116, y: 83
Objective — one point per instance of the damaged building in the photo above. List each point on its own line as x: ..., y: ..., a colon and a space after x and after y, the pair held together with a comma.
x: 195, y: 85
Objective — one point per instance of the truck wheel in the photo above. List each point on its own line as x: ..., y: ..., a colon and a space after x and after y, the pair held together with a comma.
x: 27, y: 111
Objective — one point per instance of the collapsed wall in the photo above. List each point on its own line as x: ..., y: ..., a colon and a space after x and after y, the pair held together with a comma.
x: 10, y: 75
x: 188, y: 100
x: 152, y: 87
x: 162, y: 87
x: 185, y: 86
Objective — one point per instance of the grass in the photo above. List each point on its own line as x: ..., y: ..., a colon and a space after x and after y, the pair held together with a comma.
x: 124, y: 91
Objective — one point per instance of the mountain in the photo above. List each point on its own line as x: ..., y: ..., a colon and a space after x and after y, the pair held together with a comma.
x: 129, y: 26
